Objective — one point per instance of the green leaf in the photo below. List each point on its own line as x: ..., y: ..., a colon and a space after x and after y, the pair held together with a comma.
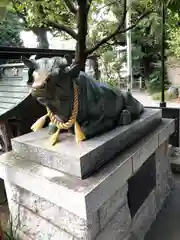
x: 3, y: 8
x: 10, y: 29
x: 4, y: 3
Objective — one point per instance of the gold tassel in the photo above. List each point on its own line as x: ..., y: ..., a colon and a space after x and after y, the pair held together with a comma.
x: 79, y: 135
x: 54, y: 137
x: 39, y: 123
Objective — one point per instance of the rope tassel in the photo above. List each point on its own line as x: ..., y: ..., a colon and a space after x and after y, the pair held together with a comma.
x: 54, y: 138
x: 39, y: 123
x: 79, y: 135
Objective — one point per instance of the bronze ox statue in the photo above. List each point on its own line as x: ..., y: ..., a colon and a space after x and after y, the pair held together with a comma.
x: 76, y: 102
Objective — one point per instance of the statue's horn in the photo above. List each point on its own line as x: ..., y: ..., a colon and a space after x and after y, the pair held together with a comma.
x: 73, y: 70
x: 29, y: 63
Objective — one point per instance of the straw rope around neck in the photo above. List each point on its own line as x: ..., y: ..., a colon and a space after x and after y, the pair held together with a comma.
x: 79, y: 135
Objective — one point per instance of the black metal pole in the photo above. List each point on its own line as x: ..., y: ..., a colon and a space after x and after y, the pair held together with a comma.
x: 162, y: 103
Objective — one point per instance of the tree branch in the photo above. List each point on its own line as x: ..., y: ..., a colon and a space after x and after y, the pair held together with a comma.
x: 71, y: 6
x: 136, y: 23
x: 58, y: 26
x: 63, y: 28
x: 118, y: 30
x: 106, y: 39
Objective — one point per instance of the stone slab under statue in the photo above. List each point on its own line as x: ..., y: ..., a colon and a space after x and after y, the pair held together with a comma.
x: 83, y: 159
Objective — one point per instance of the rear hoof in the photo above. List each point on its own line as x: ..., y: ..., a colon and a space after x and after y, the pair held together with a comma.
x: 125, y: 117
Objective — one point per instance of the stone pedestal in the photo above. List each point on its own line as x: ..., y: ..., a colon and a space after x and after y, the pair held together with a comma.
x: 82, y: 159
x: 49, y: 204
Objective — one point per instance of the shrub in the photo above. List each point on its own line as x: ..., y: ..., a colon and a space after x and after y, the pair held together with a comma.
x: 167, y: 96
x: 154, y: 83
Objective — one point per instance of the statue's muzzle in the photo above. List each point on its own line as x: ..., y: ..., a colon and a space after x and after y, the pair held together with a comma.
x: 39, y: 90
x: 39, y: 86
x: 40, y: 94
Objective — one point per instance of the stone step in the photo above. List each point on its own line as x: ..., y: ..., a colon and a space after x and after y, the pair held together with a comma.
x: 82, y: 159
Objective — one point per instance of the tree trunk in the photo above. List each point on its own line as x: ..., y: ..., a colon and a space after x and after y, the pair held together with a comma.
x: 80, y: 56
x: 95, y: 66
x: 41, y: 34
x: 146, y: 64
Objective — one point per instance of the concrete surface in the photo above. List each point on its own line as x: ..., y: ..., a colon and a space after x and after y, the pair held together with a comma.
x: 166, y: 226
x: 146, y: 99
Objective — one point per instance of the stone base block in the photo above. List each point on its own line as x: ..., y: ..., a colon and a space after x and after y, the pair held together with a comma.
x: 32, y: 226
x: 53, y: 205
x: 71, y: 223
x: 37, y: 213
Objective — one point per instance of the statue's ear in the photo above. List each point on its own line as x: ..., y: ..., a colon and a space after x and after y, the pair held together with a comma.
x: 73, y: 71
x: 29, y: 63
x: 69, y: 59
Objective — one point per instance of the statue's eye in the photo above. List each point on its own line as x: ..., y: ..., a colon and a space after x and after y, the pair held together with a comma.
x: 47, y: 79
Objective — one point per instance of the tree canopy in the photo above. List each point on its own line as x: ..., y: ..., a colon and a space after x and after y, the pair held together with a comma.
x: 3, y: 8
x: 10, y: 29
x: 79, y: 20
x: 101, y: 23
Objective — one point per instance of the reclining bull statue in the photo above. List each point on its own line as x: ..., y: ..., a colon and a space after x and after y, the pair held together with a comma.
x: 76, y: 102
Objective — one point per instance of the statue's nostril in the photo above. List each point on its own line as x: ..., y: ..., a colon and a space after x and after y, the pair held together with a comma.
x: 42, y: 86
